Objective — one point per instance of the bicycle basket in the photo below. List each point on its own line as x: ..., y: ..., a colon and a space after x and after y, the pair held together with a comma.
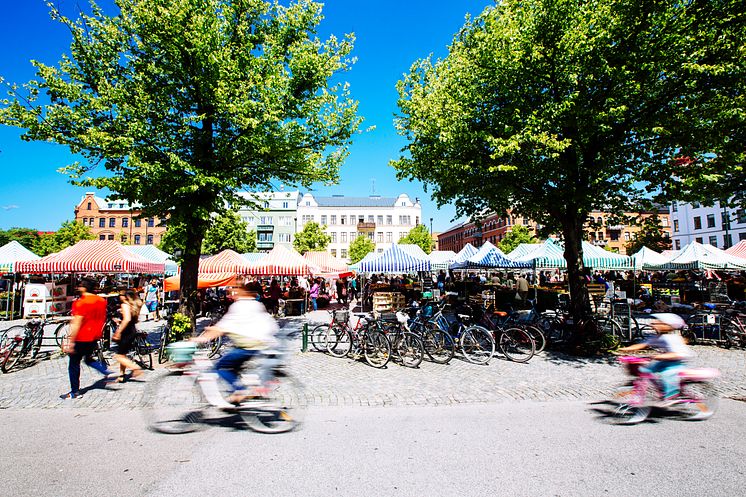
x: 341, y: 316
x: 181, y: 351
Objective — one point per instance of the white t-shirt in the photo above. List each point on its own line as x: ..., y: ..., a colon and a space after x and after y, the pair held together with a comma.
x: 670, y: 342
x: 249, y: 326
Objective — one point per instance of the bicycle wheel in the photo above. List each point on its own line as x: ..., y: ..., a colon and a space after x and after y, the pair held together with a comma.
x: 517, y: 345
x: 141, y: 353
x: 477, y: 345
x: 553, y: 329
x: 540, y: 341
x: 376, y: 349
x: 175, y: 404
x: 61, y: 333
x: 625, y: 414
x: 317, y: 337
x: 98, y: 353
x: 338, y: 341
x: 13, y: 355
x: 283, y: 412
x: 215, y: 344
x: 410, y: 350
x: 700, y: 401
x: 439, y: 346
x: 162, y: 352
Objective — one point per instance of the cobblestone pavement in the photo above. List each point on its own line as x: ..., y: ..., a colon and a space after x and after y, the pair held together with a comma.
x: 330, y: 381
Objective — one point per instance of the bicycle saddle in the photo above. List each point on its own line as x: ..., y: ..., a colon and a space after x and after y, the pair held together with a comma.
x: 502, y: 314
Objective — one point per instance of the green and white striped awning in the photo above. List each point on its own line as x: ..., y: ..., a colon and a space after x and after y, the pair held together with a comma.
x: 550, y: 254
x: 699, y: 256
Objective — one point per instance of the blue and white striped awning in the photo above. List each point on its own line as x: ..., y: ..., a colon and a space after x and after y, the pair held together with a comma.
x: 523, y: 249
x: 441, y: 259
x: 487, y: 257
x: 153, y: 253
x: 465, y: 253
x: 395, y: 260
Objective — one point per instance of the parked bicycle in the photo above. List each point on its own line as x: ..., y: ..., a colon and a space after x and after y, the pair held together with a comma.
x: 360, y: 340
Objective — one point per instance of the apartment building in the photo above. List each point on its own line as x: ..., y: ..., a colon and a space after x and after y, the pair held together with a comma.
x: 118, y: 220
x: 603, y: 231
x: 273, y: 217
x: 385, y: 220
x: 715, y: 224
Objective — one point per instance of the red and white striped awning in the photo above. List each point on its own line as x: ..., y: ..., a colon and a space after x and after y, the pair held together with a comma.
x: 327, y: 263
x: 739, y: 249
x: 92, y: 256
x: 226, y: 261
x: 281, y: 261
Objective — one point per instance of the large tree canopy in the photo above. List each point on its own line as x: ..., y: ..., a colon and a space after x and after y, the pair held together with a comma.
x: 70, y: 233
x: 184, y: 102
x: 555, y: 108
x: 311, y: 238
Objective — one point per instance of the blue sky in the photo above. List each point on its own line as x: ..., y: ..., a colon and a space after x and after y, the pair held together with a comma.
x: 390, y: 34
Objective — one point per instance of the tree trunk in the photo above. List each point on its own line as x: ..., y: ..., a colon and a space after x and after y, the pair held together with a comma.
x: 188, y: 297
x: 572, y: 230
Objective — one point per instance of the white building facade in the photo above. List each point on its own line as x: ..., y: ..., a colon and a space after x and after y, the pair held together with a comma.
x: 274, y: 219
x: 385, y: 220
x: 719, y: 226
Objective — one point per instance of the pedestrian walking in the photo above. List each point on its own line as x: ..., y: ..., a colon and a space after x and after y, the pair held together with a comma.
x: 151, y: 300
x: 124, y: 337
x: 86, y: 327
x: 314, y: 294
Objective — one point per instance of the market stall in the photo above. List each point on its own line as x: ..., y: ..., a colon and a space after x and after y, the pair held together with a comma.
x: 153, y: 253
x: 391, y: 295
x: 281, y: 261
x: 646, y: 258
x: 10, y: 254
x: 441, y: 259
x: 328, y: 265
x: 738, y: 250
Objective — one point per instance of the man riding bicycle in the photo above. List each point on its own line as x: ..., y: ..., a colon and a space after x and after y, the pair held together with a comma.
x: 251, y: 330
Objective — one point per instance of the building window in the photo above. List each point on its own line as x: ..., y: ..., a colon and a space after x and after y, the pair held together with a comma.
x: 389, y: 236
x: 266, y: 204
x: 674, y: 207
x: 678, y: 243
x: 333, y: 219
x: 698, y: 239
x: 125, y: 222
x: 343, y: 253
x: 285, y: 205
x: 379, y: 237
x: 343, y: 237
x: 89, y: 206
x: 137, y: 239
x: 710, y: 220
x: 600, y: 235
x: 697, y: 223
x: 402, y: 234
x: 742, y: 236
x: 361, y: 219
x: 124, y: 238
x: 370, y: 219
x: 308, y: 203
x: 727, y: 241
x: 102, y: 222
x: 112, y: 222
x: 379, y: 219
x: 380, y: 250
x: 334, y: 236
x: 714, y: 241
x: 342, y: 219
x: 695, y: 205
x: 150, y: 240
x: 138, y: 223
x: 110, y: 237
x: 102, y: 237
x: 352, y: 235
x: 370, y: 235
x: 676, y: 225
x: 626, y: 236
x: 741, y: 216
x: 150, y: 222
x: 389, y: 220
x: 323, y: 220
x: 664, y: 221
x: 334, y: 252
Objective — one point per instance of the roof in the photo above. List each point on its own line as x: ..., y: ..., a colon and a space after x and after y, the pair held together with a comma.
x: 153, y: 253
x: 226, y: 261
x: 489, y: 256
x: 395, y: 259
x: 342, y: 201
x: 12, y: 252
x: 282, y: 261
x: 92, y: 256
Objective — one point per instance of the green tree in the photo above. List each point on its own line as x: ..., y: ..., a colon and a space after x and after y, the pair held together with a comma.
x: 311, y: 238
x: 517, y: 235
x: 186, y: 102
x: 419, y: 235
x: 360, y: 247
x: 229, y: 231
x: 557, y: 108
x: 650, y: 235
x: 70, y: 233
x: 28, y: 237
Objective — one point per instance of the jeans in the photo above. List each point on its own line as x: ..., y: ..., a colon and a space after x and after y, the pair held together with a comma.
x: 668, y: 374
x: 313, y: 301
x: 230, y: 365
x: 83, y: 351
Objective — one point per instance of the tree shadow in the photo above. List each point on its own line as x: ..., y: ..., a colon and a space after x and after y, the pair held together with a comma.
x: 559, y: 357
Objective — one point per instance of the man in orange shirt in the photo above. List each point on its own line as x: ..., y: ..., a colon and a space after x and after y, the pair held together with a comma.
x: 89, y: 317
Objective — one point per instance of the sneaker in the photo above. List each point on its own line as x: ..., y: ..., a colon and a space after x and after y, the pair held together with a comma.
x: 701, y: 416
x: 71, y: 395
x: 669, y: 401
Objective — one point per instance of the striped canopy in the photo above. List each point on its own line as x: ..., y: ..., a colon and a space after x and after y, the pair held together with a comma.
x: 281, y: 261
x: 489, y: 256
x: 646, y: 258
x: 739, y: 249
x: 698, y: 256
x: 226, y: 261
x: 523, y: 249
x: 153, y: 253
x: 465, y: 253
x: 441, y: 259
x: 12, y: 252
x: 253, y: 257
x: 368, y: 257
x: 92, y: 256
x: 204, y: 280
x: 546, y: 255
x: 395, y: 260
x: 598, y: 258
x: 414, y: 250
x: 326, y: 262
x: 670, y: 254
x: 550, y: 254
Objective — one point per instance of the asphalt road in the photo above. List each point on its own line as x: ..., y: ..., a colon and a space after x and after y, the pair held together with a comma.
x: 511, y: 448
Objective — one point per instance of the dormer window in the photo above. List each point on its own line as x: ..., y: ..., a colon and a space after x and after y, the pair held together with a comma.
x: 89, y: 206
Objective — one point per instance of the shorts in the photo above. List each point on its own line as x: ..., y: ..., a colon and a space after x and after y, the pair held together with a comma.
x: 152, y: 305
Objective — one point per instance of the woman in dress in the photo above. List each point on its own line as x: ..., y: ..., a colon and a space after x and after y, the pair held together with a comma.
x: 125, y: 334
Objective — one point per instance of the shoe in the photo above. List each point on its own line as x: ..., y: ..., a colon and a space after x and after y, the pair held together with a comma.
x: 71, y: 395
x: 669, y: 401
x: 701, y: 416
x: 120, y: 379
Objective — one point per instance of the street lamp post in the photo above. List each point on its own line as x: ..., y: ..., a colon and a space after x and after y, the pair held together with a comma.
x: 431, y: 226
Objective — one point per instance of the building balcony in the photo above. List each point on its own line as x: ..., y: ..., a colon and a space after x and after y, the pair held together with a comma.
x: 617, y: 227
x: 264, y: 245
x: 364, y: 227
x: 264, y: 227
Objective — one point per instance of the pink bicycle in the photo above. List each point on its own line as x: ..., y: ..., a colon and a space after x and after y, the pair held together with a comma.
x: 698, y: 399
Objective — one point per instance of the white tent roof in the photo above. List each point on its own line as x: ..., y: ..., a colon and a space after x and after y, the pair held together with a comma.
x: 646, y: 258
x: 698, y: 256
x: 12, y: 252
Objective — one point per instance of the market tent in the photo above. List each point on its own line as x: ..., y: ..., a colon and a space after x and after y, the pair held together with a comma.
x: 646, y: 257
x: 489, y: 256
x: 465, y: 253
x: 11, y: 253
x: 253, y: 257
x: 326, y: 262
x: 281, y: 261
x: 698, y: 256
x: 395, y: 260
x: 598, y: 258
x: 226, y: 261
x: 92, y: 256
x: 739, y: 249
x: 670, y: 254
x: 368, y: 257
x: 153, y: 253
x: 523, y: 249
x: 551, y: 255
x: 441, y: 259
x: 414, y: 250
x: 204, y: 280
x: 546, y: 255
